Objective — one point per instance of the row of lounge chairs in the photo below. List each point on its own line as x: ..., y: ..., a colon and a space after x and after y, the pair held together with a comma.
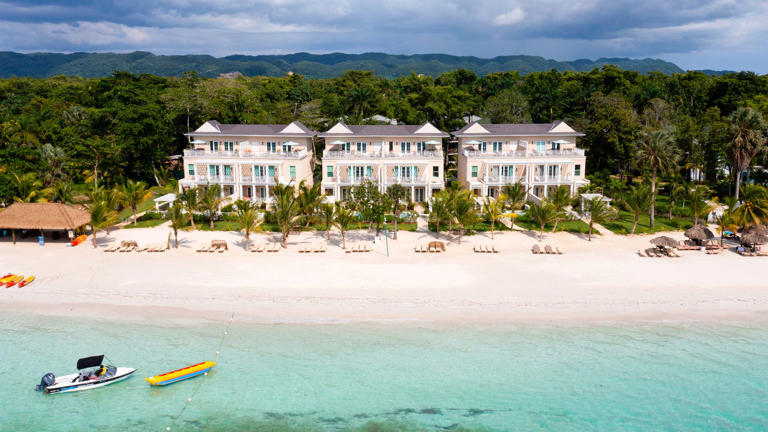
x: 433, y: 246
x: 360, y: 247
x: 318, y: 248
x: 211, y: 248
x: 485, y: 249
x: 690, y: 245
x: 751, y: 253
x: 269, y: 247
x: 547, y: 250
x: 131, y: 246
x: 658, y: 253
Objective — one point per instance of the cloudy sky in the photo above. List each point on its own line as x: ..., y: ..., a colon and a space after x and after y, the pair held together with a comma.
x: 695, y: 34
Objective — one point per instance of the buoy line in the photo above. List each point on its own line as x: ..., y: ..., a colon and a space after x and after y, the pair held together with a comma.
x: 200, y: 382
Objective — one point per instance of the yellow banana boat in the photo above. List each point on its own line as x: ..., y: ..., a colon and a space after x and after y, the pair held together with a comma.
x: 180, y: 374
x: 6, y: 278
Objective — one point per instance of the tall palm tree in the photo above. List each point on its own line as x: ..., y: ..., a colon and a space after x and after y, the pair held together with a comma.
x: 464, y: 211
x: 343, y: 219
x: 440, y: 212
x: 62, y: 192
x: 597, y: 211
x: 134, y: 193
x: 248, y: 218
x: 191, y: 202
x: 699, y: 202
x: 493, y: 210
x: 27, y: 187
x: 284, y: 209
x: 516, y: 194
x: 749, y: 136
x: 310, y: 198
x: 398, y: 194
x: 101, y: 217
x: 541, y: 214
x: 657, y: 154
x: 753, y: 207
x: 678, y: 193
x: 177, y: 218
x: 727, y: 221
x: 637, y: 200
x: 560, y: 199
x: 210, y: 201
x: 327, y: 214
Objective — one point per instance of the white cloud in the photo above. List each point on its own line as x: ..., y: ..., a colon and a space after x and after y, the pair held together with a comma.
x: 509, y: 18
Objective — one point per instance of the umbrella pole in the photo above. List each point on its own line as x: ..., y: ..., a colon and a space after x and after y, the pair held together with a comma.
x: 13, y: 235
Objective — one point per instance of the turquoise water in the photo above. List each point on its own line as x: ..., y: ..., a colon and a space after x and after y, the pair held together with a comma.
x: 639, y: 377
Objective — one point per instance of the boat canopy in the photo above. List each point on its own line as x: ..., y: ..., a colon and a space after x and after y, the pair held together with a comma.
x: 88, y: 362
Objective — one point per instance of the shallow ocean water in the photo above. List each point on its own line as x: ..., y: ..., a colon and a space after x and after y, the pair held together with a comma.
x: 381, y: 377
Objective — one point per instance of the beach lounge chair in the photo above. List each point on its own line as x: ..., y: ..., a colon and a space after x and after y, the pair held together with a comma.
x: 557, y: 250
x: 417, y: 248
x: 672, y: 253
x: 640, y: 253
x: 493, y: 249
x: 112, y: 248
x: 348, y: 249
x: 536, y: 250
x: 476, y: 248
x: 276, y: 247
x: 548, y: 250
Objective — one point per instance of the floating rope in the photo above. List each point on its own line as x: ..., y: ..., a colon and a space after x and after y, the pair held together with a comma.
x: 200, y: 382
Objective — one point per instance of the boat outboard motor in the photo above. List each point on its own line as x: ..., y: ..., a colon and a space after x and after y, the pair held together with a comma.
x: 48, y: 380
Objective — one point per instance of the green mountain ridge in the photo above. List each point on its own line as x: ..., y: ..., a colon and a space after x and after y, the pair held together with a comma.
x: 91, y: 65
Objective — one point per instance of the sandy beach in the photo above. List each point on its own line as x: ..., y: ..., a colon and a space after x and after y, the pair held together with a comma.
x: 601, y: 280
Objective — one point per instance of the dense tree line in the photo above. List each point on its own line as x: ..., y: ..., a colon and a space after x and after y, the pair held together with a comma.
x: 108, y: 130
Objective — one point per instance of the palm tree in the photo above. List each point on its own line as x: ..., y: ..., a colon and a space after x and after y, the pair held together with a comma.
x: 753, y: 208
x: 541, y: 214
x: 516, y: 194
x: 284, y: 209
x: 177, y: 218
x: 659, y: 156
x: 748, y: 129
x: 464, y: 211
x: 677, y: 193
x: 190, y: 201
x: 398, y: 194
x: 699, y: 202
x: 727, y: 221
x: 133, y: 193
x: 596, y: 211
x: 101, y: 217
x: 210, y: 201
x: 326, y: 213
x: 27, y: 186
x: 248, y: 218
x: 560, y: 199
x: 493, y: 210
x: 310, y: 198
x: 440, y: 212
x: 62, y: 192
x: 637, y: 200
x: 343, y: 219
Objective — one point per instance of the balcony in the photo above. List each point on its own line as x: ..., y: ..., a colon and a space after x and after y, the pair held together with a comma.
x: 334, y: 154
x: 203, y: 179
x: 426, y: 154
x: 408, y: 180
x: 577, y: 152
x: 257, y: 180
x: 502, y: 179
x: 561, y: 179
x: 243, y: 154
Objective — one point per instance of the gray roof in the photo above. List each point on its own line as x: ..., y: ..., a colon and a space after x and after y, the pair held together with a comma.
x: 382, y: 131
x: 512, y: 129
x: 255, y: 130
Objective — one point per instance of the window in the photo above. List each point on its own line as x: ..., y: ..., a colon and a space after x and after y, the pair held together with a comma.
x: 213, y: 145
x: 345, y: 147
x: 271, y: 147
x: 540, y: 170
x: 287, y: 148
x: 229, y: 146
x: 483, y: 147
x: 258, y: 171
x: 405, y: 147
x: 362, y: 147
x: 492, y: 193
x: 329, y: 171
x: 541, y: 146
x: 420, y: 146
x: 213, y: 170
x: 415, y: 171
x: 405, y: 171
x: 227, y: 171
x: 292, y: 171
x: 577, y: 170
x: 191, y: 169
x: 271, y: 170
x: 368, y: 171
x: 474, y: 171
x: 397, y: 171
x: 497, y: 146
x: 553, y: 170
x: 435, y: 171
x: 555, y: 145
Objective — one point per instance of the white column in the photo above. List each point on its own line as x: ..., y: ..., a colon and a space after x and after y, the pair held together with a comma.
x: 413, y: 193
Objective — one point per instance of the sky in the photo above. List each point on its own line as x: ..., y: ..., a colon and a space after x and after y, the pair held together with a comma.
x: 694, y: 34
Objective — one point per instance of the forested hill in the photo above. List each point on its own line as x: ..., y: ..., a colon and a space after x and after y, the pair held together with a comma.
x: 310, y: 65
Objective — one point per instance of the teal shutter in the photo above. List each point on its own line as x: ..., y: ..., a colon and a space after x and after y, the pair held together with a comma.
x: 415, y: 171
x: 227, y: 170
x: 397, y: 171
x: 271, y: 170
x: 212, y: 169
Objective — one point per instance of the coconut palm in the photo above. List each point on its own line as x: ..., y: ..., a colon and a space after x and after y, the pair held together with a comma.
x: 191, y: 202
x: 326, y: 213
x: 541, y: 214
x: 516, y: 194
x: 727, y: 220
x: 310, y: 198
x: 678, y: 194
x: 493, y: 210
x: 343, y: 219
x: 398, y: 194
x: 637, y: 200
x: 596, y: 211
x: 464, y: 211
x: 748, y: 129
x: 133, y: 193
x: 62, y: 192
x: 284, y: 209
x: 753, y: 207
x: 560, y: 199
x: 657, y: 154
x: 440, y: 212
x: 27, y: 187
x: 248, y: 218
x: 101, y: 217
x: 210, y: 201
x: 699, y: 203
x: 177, y: 218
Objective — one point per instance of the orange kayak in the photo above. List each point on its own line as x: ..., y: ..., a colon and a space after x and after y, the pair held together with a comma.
x: 13, y: 281
x: 79, y: 239
x: 26, y: 281
x: 5, y: 278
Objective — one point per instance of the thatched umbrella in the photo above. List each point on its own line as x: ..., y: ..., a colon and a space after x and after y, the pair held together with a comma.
x: 698, y: 233
x: 754, y: 235
x: 664, y: 241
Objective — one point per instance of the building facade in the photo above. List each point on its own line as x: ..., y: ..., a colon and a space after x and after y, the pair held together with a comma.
x: 410, y: 155
x: 247, y: 160
x: 541, y: 156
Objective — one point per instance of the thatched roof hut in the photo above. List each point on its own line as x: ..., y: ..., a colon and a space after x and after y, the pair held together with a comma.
x: 43, y: 216
x: 664, y: 241
x: 699, y: 233
x: 755, y: 235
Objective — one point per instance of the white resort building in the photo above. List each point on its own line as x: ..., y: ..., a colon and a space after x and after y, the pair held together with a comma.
x: 411, y: 155
x: 541, y: 156
x: 245, y: 159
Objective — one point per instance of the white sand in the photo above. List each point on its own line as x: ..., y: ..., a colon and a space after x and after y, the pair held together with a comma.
x: 602, y: 280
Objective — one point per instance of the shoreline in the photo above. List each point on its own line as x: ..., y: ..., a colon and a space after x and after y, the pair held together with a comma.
x: 599, y: 281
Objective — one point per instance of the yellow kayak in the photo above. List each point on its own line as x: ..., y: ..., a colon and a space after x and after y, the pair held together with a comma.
x: 26, y: 281
x: 180, y: 374
x: 13, y: 281
x: 6, y: 278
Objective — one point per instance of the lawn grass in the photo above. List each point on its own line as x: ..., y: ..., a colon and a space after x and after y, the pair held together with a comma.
x: 575, y: 226
x: 623, y: 225
x: 145, y: 223
x: 145, y: 205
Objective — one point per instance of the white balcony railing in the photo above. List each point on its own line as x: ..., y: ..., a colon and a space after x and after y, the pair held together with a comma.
x: 431, y: 154
x: 214, y: 179
x: 566, y: 178
x: 244, y: 154
x: 257, y: 180
x: 577, y: 152
x: 334, y: 154
x: 502, y: 179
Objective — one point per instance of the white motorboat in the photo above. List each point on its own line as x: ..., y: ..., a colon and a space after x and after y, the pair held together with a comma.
x: 91, y: 374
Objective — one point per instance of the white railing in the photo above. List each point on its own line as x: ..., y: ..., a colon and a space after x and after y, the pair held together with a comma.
x: 257, y: 180
x: 502, y: 179
x: 405, y: 180
x: 335, y: 154
x: 553, y: 179
x: 577, y: 152
x: 244, y: 154
x: 214, y: 179
x: 415, y: 154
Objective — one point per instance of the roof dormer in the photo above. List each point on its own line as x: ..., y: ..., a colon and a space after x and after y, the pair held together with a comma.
x: 211, y: 126
x: 339, y: 128
x: 427, y: 129
x: 476, y: 128
x: 292, y: 128
x: 561, y: 127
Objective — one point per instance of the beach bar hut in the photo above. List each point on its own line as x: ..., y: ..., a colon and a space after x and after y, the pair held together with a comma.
x: 42, y: 216
x: 699, y: 233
